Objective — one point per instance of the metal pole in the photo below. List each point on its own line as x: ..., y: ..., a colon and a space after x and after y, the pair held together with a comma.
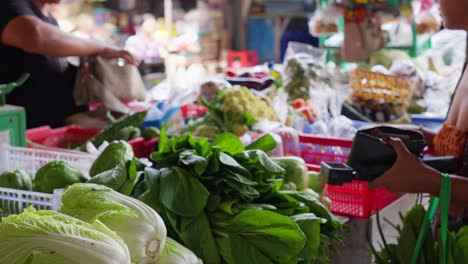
x: 168, y: 16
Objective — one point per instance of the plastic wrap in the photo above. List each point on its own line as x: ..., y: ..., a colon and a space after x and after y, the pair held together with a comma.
x: 406, y: 68
x: 325, y: 22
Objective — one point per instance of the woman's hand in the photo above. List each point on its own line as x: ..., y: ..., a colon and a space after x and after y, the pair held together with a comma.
x: 409, y: 174
x: 114, y: 53
x: 429, y: 136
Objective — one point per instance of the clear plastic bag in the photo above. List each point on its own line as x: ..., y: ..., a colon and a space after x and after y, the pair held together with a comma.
x: 325, y: 22
x: 303, y: 65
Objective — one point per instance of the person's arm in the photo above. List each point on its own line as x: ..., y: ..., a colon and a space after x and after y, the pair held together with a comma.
x: 35, y: 36
x: 410, y: 175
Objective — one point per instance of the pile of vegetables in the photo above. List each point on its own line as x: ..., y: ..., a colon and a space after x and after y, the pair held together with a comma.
x: 223, y: 202
x: 53, y: 175
x: 402, y: 252
x: 228, y: 203
x: 233, y: 110
x: 95, y: 225
x: 116, y: 168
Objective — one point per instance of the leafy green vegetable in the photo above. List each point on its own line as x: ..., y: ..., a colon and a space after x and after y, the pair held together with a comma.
x: 51, y: 237
x: 268, y: 234
x: 56, y: 175
x: 296, y: 171
x: 118, y: 152
x: 431, y: 252
x: 111, y: 133
x: 18, y: 179
x: 113, y: 178
x: 182, y: 193
x: 150, y: 133
x: 223, y: 201
x: 310, y: 226
x: 229, y: 143
x: 266, y: 144
x: 137, y: 224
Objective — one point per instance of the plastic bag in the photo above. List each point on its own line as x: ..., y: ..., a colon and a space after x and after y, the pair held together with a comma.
x: 325, y: 22
x: 303, y: 65
x: 406, y: 68
x: 290, y: 141
x: 280, y: 105
x: 428, y: 21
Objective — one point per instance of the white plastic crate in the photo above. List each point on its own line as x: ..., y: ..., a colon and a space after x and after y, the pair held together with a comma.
x: 31, y: 160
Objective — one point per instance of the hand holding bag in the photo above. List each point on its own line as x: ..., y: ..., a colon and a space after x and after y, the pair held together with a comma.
x: 108, y: 82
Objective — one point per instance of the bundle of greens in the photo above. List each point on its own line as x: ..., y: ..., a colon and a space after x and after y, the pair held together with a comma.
x: 402, y: 252
x: 233, y: 110
x: 225, y: 202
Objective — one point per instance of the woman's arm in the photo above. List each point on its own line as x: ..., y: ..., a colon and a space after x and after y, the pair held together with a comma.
x: 410, y: 175
x: 35, y: 36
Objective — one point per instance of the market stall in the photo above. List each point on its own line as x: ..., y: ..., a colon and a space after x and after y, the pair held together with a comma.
x: 248, y: 163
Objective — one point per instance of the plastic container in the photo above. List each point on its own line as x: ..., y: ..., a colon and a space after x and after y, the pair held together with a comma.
x: 193, y: 111
x: 242, y: 59
x: 428, y: 122
x: 61, y: 139
x: 31, y: 160
x: 352, y: 199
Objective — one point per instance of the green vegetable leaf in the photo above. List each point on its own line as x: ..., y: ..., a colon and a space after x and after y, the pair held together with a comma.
x: 240, y: 179
x: 132, y: 169
x: 229, y: 143
x: 233, y: 249
x: 230, y: 162
x: 113, y: 178
x: 181, y: 192
x: 164, y: 145
x: 198, y: 163
x: 198, y: 237
x: 246, y: 192
x: 129, y: 186
x: 266, y: 143
x: 268, y: 234
x: 266, y: 162
x: 310, y: 226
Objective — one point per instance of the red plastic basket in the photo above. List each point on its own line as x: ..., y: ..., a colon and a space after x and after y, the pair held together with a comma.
x: 193, y: 111
x: 352, y: 199
x: 61, y: 139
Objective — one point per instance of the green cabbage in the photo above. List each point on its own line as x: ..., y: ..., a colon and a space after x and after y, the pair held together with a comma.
x: 137, y: 224
x: 116, y: 153
x: 175, y: 253
x: 42, y: 237
x: 17, y: 179
x: 56, y: 175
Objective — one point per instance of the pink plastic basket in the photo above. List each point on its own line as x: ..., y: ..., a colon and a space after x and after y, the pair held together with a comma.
x: 60, y: 139
x: 352, y: 199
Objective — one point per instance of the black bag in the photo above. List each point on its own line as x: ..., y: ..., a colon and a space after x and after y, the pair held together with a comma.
x: 371, y: 156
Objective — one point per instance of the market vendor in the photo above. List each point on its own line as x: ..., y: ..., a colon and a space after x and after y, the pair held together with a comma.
x: 409, y: 174
x: 31, y: 42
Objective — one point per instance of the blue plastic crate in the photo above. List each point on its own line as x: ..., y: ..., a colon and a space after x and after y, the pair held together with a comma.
x: 428, y: 122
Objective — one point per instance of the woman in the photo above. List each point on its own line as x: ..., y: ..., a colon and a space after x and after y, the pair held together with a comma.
x: 30, y: 41
x: 409, y: 174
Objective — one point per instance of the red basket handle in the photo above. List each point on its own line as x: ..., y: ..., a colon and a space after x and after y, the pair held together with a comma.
x: 325, y: 141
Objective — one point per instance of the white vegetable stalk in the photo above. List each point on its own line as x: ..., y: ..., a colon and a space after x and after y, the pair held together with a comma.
x: 141, y: 228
